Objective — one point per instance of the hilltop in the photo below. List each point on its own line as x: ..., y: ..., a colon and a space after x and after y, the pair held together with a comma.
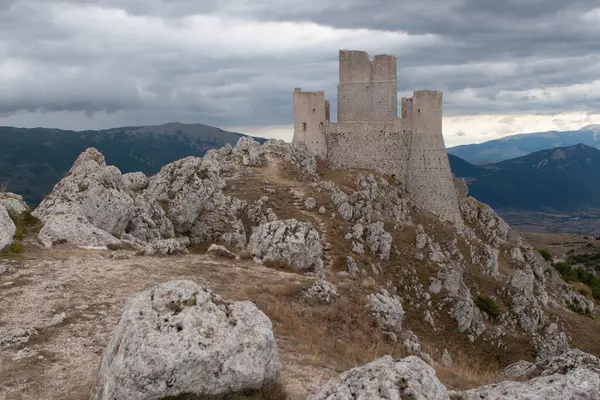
x: 345, y: 265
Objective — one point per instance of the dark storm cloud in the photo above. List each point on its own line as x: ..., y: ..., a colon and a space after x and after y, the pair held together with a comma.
x: 236, y: 62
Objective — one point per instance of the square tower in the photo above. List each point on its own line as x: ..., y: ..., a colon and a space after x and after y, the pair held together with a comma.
x: 367, y: 90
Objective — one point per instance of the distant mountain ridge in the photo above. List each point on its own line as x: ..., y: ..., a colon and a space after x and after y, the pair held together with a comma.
x: 522, y: 144
x: 32, y: 160
x: 558, y: 180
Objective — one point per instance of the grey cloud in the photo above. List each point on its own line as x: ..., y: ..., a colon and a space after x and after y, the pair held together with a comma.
x: 488, y: 56
x: 460, y: 133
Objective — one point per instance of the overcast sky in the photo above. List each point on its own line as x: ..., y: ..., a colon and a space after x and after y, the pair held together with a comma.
x: 505, y: 66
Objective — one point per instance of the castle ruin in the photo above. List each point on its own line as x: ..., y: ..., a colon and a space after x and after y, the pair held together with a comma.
x: 369, y: 134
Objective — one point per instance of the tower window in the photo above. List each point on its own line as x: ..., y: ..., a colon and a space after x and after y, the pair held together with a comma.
x: 304, y: 126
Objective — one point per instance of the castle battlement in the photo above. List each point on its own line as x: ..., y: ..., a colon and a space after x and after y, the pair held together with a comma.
x: 370, y: 134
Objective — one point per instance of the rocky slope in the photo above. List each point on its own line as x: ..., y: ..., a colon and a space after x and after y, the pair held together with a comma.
x: 367, y: 274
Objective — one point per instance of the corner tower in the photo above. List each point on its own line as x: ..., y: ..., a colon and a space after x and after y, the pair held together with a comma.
x: 429, y: 179
x: 311, y: 117
x: 367, y: 90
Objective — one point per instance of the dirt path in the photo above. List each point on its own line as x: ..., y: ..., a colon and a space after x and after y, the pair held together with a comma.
x: 60, y: 358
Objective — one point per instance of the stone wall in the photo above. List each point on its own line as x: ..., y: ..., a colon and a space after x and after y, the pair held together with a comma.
x: 310, y: 117
x: 367, y: 90
x: 429, y: 179
x: 369, y: 145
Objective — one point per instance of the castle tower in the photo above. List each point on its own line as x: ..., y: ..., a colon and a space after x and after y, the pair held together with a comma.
x: 367, y: 90
x: 311, y: 117
x: 428, y: 176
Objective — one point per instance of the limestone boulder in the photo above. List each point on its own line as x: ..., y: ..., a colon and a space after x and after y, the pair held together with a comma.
x: 91, y: 193
x: 294, y: 242
x: 165, y: 247
x: 14, y: 204
x: 135, y: 181
x: 385, y: 379
x: 322, y: 291
x: 379, y: 241
x: 7, y: 228
x: 76, y: 230
x: 387, y: 310
x: 180, y: 338
x: 185, y: 189
x: 296, y: 154
x: 149, y: 222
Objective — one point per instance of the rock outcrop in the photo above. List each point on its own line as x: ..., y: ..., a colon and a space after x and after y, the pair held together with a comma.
x: 7, y: 228
x: 385, y: 379
x: 295, y: 242
x: 14, y: 204
x: 92, y: 197
x: 180, y: 338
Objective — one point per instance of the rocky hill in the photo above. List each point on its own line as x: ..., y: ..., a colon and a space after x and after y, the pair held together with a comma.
x: 514, y: 146
x: 32, y: 161
x: 256, y: 270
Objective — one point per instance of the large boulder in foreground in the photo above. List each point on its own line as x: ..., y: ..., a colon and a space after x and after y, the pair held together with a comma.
x: 385, y: 378
x: 7, y: 228
x: 180, y: 338
x: 294, y: 242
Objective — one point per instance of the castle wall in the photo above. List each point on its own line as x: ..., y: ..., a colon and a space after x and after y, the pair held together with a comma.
x: 380, y: 146
x: 429, y: 179
x: 310, y: 119
x: 367, y: 90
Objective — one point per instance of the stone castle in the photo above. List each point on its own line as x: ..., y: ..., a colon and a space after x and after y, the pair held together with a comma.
x: 369, y: 134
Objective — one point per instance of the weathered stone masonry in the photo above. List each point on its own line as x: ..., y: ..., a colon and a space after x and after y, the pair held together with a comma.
x: 369, y: 134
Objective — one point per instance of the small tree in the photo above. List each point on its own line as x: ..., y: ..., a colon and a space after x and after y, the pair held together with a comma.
x: 547, y: 255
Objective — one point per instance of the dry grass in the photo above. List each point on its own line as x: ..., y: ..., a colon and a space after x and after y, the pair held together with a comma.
x: 273, y: 391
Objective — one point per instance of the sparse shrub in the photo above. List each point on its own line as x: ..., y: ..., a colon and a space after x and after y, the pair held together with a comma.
x: 15, y: 247
x: 281, y: 265
x: 546, y: 254
x: 584, y: 292
x: 488, y: 305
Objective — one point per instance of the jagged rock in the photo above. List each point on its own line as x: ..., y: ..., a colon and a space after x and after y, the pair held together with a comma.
x: 353, y: 268
x: 296, y: 153
x: 387, y: 310
x: 346, y: 211
x: 410, y: 341
x: 292, y: 241
x: 553, y: 343
x: 580, y: 303
x: 581, y: 382
x: 385, y: 379
x: 322, y: 210
x: 520, y: 369
x: 14, y: 204
x: 180, y: 338
x: 164, y: 247
x: 186, y: 188
x: 323, y: 291
x: 446, y: 359
x: 216, y: 250
x: 76, y: 230
x: 91, y: 193
x: 310, y: 203
x: 135, y: 181
x: 7, y: 228
x: 378, y: 240
x: 149, y: 222
x: 568, y: 361
x: 421, y: 239
x: 462, y: 190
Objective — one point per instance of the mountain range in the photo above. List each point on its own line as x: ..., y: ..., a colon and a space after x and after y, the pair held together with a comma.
x: 522, y: 144
x: 564, y: 179
x: 33, y: 160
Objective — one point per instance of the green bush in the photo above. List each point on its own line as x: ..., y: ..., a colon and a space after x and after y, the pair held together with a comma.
x: 488, y: 305
x: 546, y: 254
x: 14, y: 248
